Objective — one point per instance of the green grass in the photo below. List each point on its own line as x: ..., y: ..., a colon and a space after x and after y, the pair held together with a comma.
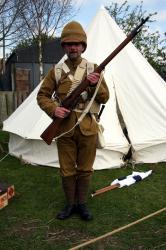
x: 29, y: 221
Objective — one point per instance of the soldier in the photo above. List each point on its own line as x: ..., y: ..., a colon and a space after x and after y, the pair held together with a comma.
x: 77, y: 147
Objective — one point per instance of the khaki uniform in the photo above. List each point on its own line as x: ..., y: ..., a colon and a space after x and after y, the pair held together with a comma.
x: 77, y: 148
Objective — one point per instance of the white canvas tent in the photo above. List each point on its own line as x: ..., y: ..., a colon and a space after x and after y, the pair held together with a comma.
x: 141, y: 95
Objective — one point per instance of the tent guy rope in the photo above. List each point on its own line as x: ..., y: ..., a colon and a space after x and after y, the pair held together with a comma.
x: 117, y: 230
x: 4, y: 157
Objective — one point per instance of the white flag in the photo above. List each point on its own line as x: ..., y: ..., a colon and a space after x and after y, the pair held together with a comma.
x: 131, y: 179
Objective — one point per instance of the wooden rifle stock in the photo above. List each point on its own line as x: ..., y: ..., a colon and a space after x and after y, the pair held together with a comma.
x: 52, y: 131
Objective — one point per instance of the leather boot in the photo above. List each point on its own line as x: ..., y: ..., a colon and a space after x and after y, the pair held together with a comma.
x: 69, y: 187
x: 84, y: 212
x: 82, y: 191
x: 66, y: 212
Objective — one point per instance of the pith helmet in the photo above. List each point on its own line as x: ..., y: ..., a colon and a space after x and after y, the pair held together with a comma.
x: 74, y: 32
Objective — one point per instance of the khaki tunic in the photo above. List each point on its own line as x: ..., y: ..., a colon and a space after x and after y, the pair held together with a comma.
x: 87, y: 129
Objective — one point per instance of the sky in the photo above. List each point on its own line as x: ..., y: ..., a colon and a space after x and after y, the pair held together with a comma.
x: 89, y: 8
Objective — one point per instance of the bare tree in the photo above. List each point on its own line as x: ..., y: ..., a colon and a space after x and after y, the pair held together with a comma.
x: 9, y: 10
x: 44, y: 17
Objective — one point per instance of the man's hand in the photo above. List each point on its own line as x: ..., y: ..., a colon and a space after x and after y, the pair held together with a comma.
x: 61, y: 112
x: 93, y: 78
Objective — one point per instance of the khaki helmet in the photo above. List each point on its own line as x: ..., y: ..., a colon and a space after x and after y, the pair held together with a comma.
x: 74, y: 32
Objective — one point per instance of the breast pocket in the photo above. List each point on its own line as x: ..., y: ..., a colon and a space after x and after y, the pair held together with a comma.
x: 63, y: 88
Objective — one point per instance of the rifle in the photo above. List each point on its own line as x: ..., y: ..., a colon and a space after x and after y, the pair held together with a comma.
x: 53, y: 130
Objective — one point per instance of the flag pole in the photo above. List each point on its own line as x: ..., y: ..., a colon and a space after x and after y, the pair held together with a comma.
x: 105, y: 189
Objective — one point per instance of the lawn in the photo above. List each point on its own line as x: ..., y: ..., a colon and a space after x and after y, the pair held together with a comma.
x: 29, y: 221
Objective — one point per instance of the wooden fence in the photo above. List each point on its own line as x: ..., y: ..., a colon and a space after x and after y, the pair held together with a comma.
x: 9, y: 101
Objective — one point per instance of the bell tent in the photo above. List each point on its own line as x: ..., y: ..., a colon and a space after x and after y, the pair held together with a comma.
x: 134, y: 85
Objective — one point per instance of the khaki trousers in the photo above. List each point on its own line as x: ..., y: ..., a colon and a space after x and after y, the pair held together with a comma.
x: 76, y: 154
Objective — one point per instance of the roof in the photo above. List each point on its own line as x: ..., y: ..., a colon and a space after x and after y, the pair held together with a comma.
x: 52, y: 53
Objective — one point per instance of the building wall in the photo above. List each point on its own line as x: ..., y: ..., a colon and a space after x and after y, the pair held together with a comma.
x: 33, y: 68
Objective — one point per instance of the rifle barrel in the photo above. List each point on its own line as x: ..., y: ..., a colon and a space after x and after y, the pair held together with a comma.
x: 129, y: 37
